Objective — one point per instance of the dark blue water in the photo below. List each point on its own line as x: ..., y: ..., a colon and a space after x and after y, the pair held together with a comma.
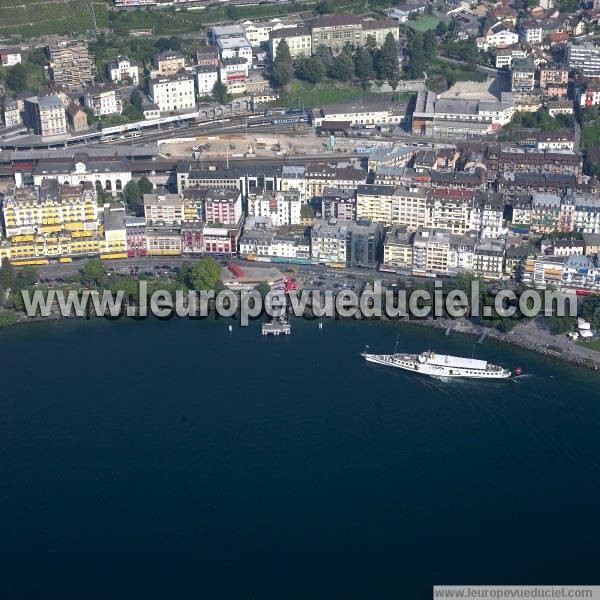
x: 172, y: 460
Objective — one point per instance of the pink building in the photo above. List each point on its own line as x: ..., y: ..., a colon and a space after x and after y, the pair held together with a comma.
x: 223, y: 207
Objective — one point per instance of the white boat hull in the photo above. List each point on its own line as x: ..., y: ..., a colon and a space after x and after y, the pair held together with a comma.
x: 411, y: 362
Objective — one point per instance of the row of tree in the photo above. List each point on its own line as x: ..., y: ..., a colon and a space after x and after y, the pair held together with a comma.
x: 365, y: 63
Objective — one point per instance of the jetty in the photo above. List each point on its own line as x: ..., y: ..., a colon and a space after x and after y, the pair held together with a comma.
x: 276, y: 327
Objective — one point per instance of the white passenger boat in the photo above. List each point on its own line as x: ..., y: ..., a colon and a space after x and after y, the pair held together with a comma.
x: 440, y: 365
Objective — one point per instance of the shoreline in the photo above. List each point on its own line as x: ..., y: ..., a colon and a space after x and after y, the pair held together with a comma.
x: 466, y: 328
x: 461, y: 327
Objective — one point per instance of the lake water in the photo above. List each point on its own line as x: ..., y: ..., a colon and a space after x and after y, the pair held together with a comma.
x: 176, y: 460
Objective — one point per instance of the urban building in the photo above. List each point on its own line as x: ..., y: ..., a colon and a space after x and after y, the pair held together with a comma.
x: 522, y: 76
x: 235, y: 47
x: 488, y: 259
x: 397, y: 249
x: 223, y: 206
x: 345, y: 242
x: 273, y: 244
x: 45, y: 116
x: 124, y: 69
x: 104, y: 99
x: 532, y: 32
x: 207, y: 56
x: 298, y: 39
x: 173, y: 92
x: 338, y: 204
x: 258, y: 32
x: 76, y: 117
x: 135, y: 235
x: 70, y: 63
x: 371, y: 115
x: 584, y: 58
x: 553, y: 74
x: 110, y: 174
x: 467, y: 110
x: 335, y: 31
x: 12, y: 114
x: 168, y: 63
x: 206, y: 77
x: 9, y: 57
x: 233, y: 73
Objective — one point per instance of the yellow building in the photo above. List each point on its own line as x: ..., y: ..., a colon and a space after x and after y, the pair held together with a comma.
x: 54, y: 221
x: 49, y: 209
x: 397, y: 249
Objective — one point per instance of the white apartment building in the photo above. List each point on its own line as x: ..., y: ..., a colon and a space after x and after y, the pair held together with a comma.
x: 409, y: 207
x: 206, y: 77
x: 173, y: 93
x: 532, y: 33
x: 488, y: 259
x: 12, y: 115
x: 274, y: 245
x: 293, y: 177
x: 233, y: 72
x: 124, y: 68
x: 282, y: 209
x: 369, y: 115
x: 257, y: 32
x: 501, y: 38
x: 505, y: 56
x: 235, y: 47
x: 10, y: 57
x: 585, y: 58
x: 103, y: 99
x: 298, y: 39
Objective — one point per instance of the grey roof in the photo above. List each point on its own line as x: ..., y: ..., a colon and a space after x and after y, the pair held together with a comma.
x: 579, y: 262
x: 376, y: 190
x: 521, y: 251
x: 114, y: 217
x: 591, y: 239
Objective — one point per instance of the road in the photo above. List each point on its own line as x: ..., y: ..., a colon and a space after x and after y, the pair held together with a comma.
x: 55, y: 271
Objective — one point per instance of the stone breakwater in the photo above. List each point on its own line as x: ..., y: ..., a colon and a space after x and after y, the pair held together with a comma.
x: 468, y: 328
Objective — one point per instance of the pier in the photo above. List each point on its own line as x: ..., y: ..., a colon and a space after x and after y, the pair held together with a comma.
x: 276, y: 327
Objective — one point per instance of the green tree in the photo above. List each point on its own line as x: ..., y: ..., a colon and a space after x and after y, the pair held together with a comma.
x: 363, y: 64
x: 429, y: 45
x: 310, y: 69
x: 219, y: 93
x: 559, y: 325
x: 232, y: 12
x: 27, y: 277
x: 145, y: 185
x: 416, y: 63
x: 136, y: 99
x: 388, y: 67
x: 325, y: 55
x: 38, y: 57
x: 441, y: 28
x: 7, y: 279
x: 371, y: 44
x: 101, y: 194
x: 172, y: 43
x: 324, y: 7
x: 204, y: 275
x: 131, y: 193
x: 93, y: 272
x: 283, y: 66
x: 16, y: 78
x: 343, y: 66
x: 133, y: 113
